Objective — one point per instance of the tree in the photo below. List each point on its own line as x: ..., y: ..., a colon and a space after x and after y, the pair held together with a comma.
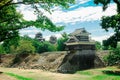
x: 25, y: 47
x: 98, y: 45
x: 2, y: 51
x: 61, y: 41
x: 40, y: 47
x: 113, y: 58
x: 111, y: 22
x: 11, y: 20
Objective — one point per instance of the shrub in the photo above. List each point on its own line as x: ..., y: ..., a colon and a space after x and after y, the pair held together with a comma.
x: 61, y: 41
x: 61, y: 45
x: 113, y: 58
x: 2, y: 51
x: 25, y: 47
x: 98, y: 45
x: 44, y: 46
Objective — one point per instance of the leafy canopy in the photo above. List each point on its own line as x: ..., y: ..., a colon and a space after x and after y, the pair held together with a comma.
x: 11, y: 20
x: 111, y: 22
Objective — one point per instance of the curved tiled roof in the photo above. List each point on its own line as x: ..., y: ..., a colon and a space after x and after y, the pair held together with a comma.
x: 80, y: 31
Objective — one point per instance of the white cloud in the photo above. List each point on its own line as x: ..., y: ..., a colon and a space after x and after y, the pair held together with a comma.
x: 101, y: 38
x: 82, y: 1
x: 78, y: 15
x: 82, y: 14
x: 31, y: 31
x: 27, y: 11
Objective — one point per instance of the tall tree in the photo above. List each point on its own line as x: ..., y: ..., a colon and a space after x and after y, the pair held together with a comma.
x: 111, y: 22
x: 11, y: 20
x: 61, y: 42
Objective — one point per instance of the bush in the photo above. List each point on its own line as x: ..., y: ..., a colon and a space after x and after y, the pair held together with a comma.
x: 61, y: 41
x: 2, y: 51
x: 61, y: 45
x: 98, y: 45
x: 25, y: 47
x: 44, y: 46
x: 113, y: 58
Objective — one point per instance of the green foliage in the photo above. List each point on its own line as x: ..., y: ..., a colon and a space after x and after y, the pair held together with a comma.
x: 11, y: 20
x: 25, y: 47
x: 61, y: 41
x: 105, y: 3
x: 18, y: 76
x: 109, y: 22
x: 43, y: 46
x: 105, y: 45
x: 113, y: 58
x: 98, y: 45
x: 108, y: 44
x: 11, y: 42
x: 40, y: 47
x: 114, y: 23
x: 61, y: 45
x: 2, y: 51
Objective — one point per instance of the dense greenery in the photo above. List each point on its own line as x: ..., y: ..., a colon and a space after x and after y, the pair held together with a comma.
x: 44, y: 47
x: 2, y: 51
x: 98, y: 45
x: 61, y: 42
x: 111, y: 22
x: 113, y: 58
x: 11, y: 20
x: 28, y: 45
x: 25, y: 47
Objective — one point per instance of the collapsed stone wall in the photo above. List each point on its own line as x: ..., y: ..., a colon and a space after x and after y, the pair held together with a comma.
x: 54, y: 61
x: 79, y: 60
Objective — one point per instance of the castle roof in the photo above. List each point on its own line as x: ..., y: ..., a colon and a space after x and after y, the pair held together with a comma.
x: 80, y: 32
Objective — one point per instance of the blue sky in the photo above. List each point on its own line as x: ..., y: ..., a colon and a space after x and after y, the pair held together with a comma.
x: 83, y: 14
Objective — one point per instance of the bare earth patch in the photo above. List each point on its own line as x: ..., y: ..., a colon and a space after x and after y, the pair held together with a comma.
x: 6, y: 77
x: 38, y: 74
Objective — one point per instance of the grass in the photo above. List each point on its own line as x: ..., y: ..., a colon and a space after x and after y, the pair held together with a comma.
x: 97, y: 74
x: 92, y: 74
x: 18, y: 76
x: 105, y: 77
x: 84, y: 72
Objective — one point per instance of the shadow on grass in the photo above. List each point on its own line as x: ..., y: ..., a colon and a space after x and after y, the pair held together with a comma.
x: 112, y: 72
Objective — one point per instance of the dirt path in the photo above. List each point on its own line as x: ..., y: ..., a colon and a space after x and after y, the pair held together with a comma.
x: 40, y: 75
x: 35, y: 74
x: 6, y: 77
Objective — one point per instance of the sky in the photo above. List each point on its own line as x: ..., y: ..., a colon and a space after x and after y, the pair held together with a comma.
x: 82, y: 14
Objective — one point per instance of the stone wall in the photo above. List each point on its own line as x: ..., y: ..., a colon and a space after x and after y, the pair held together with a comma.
x: 79, y: 60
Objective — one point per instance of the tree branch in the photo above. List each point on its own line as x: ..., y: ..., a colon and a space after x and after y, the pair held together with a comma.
x: 6, y: 4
